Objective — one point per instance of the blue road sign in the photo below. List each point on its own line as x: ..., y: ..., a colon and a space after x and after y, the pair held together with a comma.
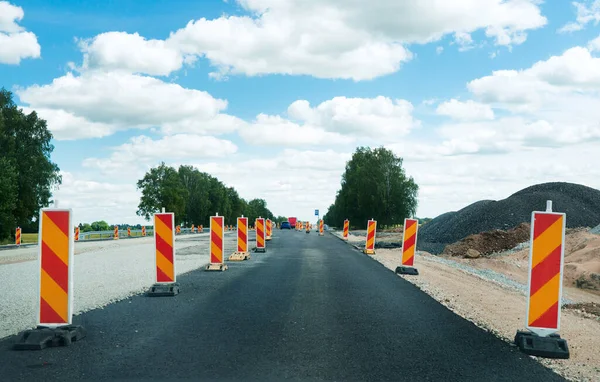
x: 316, y: 212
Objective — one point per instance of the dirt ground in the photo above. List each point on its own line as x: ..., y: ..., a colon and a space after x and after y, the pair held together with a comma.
x: 494, y: 305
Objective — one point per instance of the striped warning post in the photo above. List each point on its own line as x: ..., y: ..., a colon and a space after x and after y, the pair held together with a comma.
x: 269, y: 229
x: 116, y: 233
x: 545, y: 272
x: 321, y: 227
x: 201, y: 229
x: 56, y: 270
x: 370, y: 243
x: 76, y: 233
x: 178, y: 230
x: 409, y: 242
x: 193, y: 228
x: 346, y: 228
x: 242, y: 234
x: 260, y: 235
x: 128, y: 231
x: 216, y: 239
x: 164, y: 238
x: 18, y: 236
x: 144, y: 231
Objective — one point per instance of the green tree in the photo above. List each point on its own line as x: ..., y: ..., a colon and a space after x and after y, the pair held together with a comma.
x: 85, y: 227
x: 374, y: 185
x: 28, y: 175
x: 162, y: 187
x: 100, y: 226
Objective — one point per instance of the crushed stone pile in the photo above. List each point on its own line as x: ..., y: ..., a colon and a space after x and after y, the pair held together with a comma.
x: 596, y: 230
x: 486, y: 243
x: 580, y: 203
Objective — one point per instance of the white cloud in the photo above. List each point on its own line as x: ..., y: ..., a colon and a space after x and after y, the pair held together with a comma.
x: 66, y: 126
x: 439, y: 49
x: 594, y: 45
x: 465, y: 111
x: 587, y: 12
x: 16, y: 44
x: 142, y: 152
x: 348, y: 39
x: 105, y: 102
x: 130, y: 52
x: 340, y: 120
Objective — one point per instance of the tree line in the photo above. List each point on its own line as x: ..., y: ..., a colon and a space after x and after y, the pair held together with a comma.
x: 374, y: 185
x: 194, y: 197
x: 27, y: 174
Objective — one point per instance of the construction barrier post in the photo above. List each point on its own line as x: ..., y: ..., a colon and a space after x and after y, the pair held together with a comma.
x: 128, y: 231
x: 55, y: 304
x: 409, y: 246
x: 193, y: 228
x: 321, y: 227
x: 242, y: 241
x: 370, y: 244
x: 260, y: 235
x: 269, y: 229
x: 178, y: 229
x: 143, y: 231
x: 217, y: 232
x: 546, y: 260
x: 346, y: 228
x: 164, y: 256
x: 116, y: 233
x: 76, y: 233
x: 18, y: 236
x: 201, y: 229
x: 307, y: 227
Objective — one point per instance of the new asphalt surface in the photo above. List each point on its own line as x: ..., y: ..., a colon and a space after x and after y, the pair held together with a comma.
x: 311, y: 308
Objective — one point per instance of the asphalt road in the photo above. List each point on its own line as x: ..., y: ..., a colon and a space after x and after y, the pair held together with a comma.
x: 311, y: 308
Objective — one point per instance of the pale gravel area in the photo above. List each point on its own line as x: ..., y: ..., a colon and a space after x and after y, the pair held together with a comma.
x: 104, y: 272
x: 495, y: 302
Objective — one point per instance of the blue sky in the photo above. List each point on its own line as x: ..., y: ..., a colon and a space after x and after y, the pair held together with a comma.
x: 272, y: 96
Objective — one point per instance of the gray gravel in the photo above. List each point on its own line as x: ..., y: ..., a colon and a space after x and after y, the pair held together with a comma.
x: 596, y: 230
x: 580, y: 203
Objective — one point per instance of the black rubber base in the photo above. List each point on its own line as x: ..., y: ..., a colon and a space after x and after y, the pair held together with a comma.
x: 407, y: 271
x: 551, y: 346
x: 43, y: 337
x: 260, y: 250
x: 163, y: 290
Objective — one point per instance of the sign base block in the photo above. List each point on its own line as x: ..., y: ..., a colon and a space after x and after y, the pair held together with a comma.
x: 260, y: 250
x: 369, y: 251
x: 268, y: 238
x: 321, y: 234
x: 547, y: 347
x: 239, y: 256
x: 162, y: 290
x: 402, y: 270
x: 216, y: 267
x: 43, y: 337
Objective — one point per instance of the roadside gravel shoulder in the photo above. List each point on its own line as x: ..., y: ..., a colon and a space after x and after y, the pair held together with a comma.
x: 497, y: 303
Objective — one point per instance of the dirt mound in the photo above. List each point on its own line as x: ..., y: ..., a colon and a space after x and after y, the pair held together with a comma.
x: 486, y: 243
x: 580, y: 203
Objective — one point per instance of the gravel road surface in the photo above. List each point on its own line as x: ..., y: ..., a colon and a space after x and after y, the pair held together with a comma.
x: 311, y: 308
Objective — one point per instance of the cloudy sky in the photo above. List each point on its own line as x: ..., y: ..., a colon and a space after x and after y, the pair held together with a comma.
x: 480, y: 97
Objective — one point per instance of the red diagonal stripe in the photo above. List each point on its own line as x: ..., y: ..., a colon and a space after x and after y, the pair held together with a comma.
x: 55, y: 268
x: 410, y: 261
x: 410, y: 223
x: 167, y: 219
x: 370, y: 233
x: 218, y: 221
x: 49, y: 315
x: 61, y: 219
x: 164, y: 247
x: 547, y: 320
x: 214, y: 238
x: 409, y: 242
x: 543, y: 222
x: 161, y: 277
x: 242, y: 235
x: 546, y: 270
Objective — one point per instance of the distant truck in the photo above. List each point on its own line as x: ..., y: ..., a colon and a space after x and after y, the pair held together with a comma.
x: 292, y: 221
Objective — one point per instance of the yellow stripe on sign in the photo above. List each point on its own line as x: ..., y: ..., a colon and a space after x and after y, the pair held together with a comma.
x: 216, y: 251
x: 55, y: 239
x: 544, y: 298
x: 163, y: 231
x: 164, y: 264
x: 409, y: 251
x: 54, y: 296
x: 218, y: 229
x: 547, y: 242
x: 370, y: 242
x: 411, y: 231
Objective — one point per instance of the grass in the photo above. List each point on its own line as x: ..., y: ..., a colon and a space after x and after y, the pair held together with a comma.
x: 26, y: 238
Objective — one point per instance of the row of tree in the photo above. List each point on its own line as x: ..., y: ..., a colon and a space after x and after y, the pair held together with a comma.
x: 194, y: 197
x: 374, y: 185
x: 27, y: 175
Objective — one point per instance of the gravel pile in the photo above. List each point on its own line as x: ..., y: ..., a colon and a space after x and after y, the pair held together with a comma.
x: 580, y: 203
x: 596, y: 230
x: 104, y: 272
